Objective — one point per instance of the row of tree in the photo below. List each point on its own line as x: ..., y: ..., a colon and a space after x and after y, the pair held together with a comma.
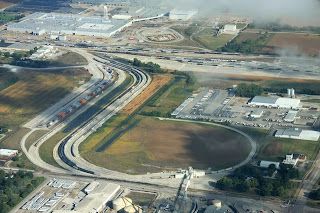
x: 249, y: 90
x: 250, y: 178
x: 148, y: 67
x: 15, y: 187
x: 248, y: 46
x: 277, y: 27
x: 16, y: 56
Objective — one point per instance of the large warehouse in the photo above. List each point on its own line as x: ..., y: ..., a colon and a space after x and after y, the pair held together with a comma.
x: 275, y: 102
x: 297, y: 133
x: 70, y: 24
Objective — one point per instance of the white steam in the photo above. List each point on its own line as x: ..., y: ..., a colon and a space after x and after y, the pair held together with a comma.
x: 294, y: 12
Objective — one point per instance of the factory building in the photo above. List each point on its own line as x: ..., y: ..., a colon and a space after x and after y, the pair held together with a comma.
x: 68, y: 24
x: 8, y: 153
x: 265, y: 164
x: 182, y: 15
x: 256, y: 113
x: 291, y: 159
x: 230, y: 29
x: 297, y: 133
x: 96, y: 200
x: 290, y: 116
x: 275, y: 102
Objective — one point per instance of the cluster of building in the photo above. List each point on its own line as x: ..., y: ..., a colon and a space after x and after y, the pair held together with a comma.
x: 68, y: 196
x: 275, y: 102
x: 45, y: 52
x: 43, y: 203
x: 68, y: 24
x: 95, y: 198
x: 290, y: 159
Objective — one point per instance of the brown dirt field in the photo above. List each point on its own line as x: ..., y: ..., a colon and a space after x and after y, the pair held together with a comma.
x: 157, y: 82
x: 34, y: 92
x: 272, y: 149
x: 4, y: 4
x: 247, y: 36
x: 307, y: 43
x: 155, y: 145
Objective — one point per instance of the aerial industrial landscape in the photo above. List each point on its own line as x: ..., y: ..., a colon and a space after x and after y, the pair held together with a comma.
x: 129, y: 106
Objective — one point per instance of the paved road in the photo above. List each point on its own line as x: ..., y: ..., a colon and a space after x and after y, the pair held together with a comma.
x: 307, y: 185
x: 33, y: 152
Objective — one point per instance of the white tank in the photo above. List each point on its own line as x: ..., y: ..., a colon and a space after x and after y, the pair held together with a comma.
x: 217, y: 203
x: 121, y: 203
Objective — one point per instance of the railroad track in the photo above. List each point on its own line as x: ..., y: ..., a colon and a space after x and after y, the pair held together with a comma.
x: 141, y: 79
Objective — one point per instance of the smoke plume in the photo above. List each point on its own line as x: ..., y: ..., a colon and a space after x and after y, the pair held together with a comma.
x: 293, y: 12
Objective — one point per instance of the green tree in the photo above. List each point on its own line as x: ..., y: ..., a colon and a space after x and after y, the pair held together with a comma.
x: 224, y: 183
x: 271, y: 169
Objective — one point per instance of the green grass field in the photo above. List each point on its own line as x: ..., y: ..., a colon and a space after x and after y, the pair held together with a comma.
x: 170, y: 97
x: 34, y: 137
x: 46, y: 149
x: 207, y: 40
x: 197, y: 36
x: 70, y: 58
x: 276, y: 148
x: 312, y: 101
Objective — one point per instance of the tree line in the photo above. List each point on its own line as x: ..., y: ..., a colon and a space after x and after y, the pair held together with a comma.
x: 248, y: 46
x: 260, y: 181
x: 14, y: 187
x: 148, y: 67
x: 249, y: 90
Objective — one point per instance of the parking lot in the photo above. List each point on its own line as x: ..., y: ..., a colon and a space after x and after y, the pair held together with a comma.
x: 224, y: 107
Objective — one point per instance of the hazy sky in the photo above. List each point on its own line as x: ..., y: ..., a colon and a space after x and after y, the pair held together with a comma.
x: 301, y: 12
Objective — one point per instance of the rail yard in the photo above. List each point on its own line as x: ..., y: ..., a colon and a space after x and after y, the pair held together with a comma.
x: 156, y: 106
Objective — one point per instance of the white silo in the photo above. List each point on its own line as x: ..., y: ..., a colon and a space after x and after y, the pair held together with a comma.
x: 291, y: 93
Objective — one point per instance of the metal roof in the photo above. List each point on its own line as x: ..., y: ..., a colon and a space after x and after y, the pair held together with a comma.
x: 265, y: 100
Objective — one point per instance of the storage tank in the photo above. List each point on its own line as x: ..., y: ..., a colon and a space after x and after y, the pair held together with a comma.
x: 132, y: 209
x: 121, y: 203
x: 217, y: 203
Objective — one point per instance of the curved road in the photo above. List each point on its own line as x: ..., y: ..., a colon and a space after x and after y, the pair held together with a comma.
x: 33, y: 153
x: 66, y: 152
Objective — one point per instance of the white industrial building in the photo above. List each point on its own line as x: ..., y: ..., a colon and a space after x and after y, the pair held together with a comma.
x: 256, y: 113
x: 96, y: 199
x: 299, y: 134
x: 275, y: 102
x: 182, y: 15
x: 230, y: 29
x: 290, y: 116
x: 68, y: 24
x: 291, y: 159
x: 9, y: 153
x: 265, y: 164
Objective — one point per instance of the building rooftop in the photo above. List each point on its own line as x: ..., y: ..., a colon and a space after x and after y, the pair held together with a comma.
x: 8, y: 152
x: 264, y: 99
x: 67, y: 24
x: 290, y: 131
x: 97, y: 198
